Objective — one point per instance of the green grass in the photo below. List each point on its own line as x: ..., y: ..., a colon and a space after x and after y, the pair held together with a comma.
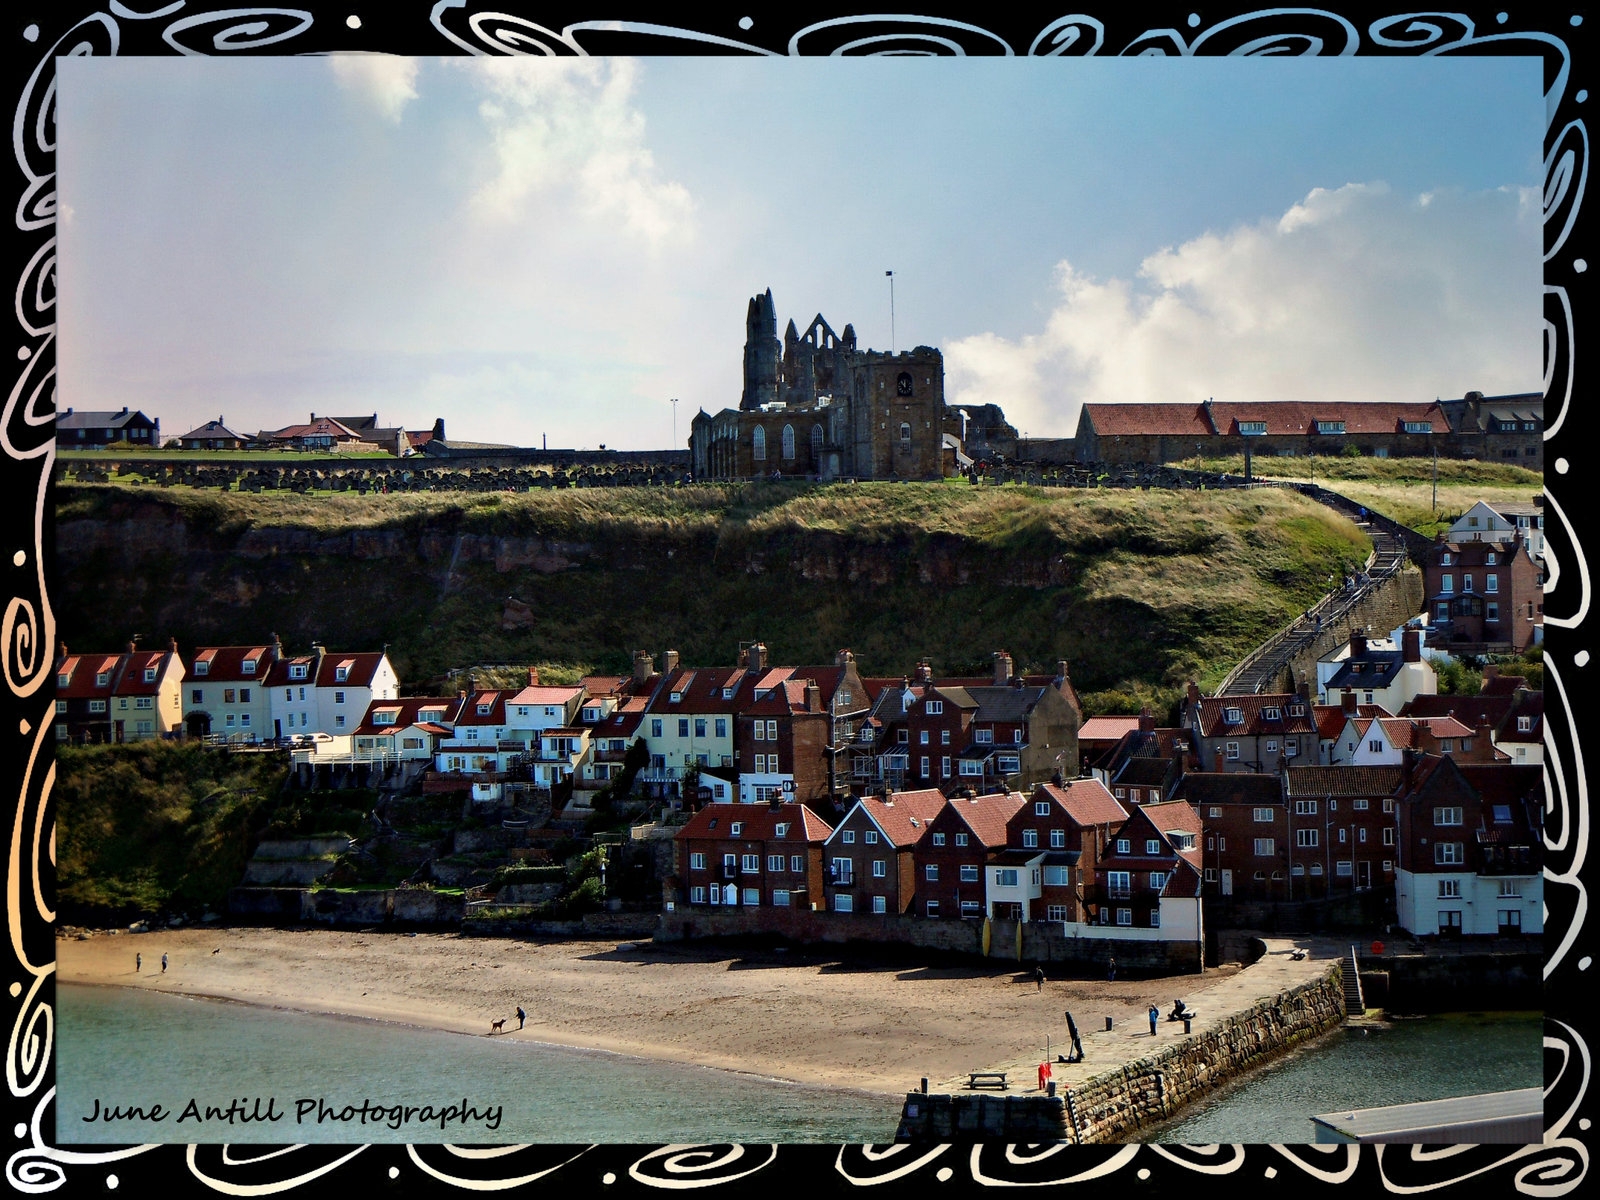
x: 1140, y: 591
x: 291, y: 458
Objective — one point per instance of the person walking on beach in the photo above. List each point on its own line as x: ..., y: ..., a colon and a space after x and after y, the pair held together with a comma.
x: 1155, y: 1015
x: 163, y: 964
x: 521, y: 1016
x: 1038, y: 978
x: 1111, y: 971
x: 138, y: 963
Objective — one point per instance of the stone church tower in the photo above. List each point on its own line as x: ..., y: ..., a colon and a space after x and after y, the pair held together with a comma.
x: 761, y: 354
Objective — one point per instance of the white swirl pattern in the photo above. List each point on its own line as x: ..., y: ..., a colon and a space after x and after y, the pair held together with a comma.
x: 1553, y: 1169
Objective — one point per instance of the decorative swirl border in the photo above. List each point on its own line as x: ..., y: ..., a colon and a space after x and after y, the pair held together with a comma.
x: 1554, y: 1168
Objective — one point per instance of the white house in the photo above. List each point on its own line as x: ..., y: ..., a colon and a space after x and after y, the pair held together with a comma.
x: 328, y: 693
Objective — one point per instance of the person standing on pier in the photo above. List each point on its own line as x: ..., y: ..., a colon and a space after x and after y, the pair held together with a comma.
x: 1155, y: 1015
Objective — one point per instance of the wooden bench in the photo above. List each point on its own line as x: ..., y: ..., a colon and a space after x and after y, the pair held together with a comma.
x: 989, y: 1079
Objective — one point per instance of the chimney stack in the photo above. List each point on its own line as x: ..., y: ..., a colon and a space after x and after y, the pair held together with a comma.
x: 1491, y: 670
x: 669, y: 661
x: 533, y: 676
x: 758, y: 656
x: 1411, y: 645
x: 1358, y: 644
x: 1347, y: 700
x: 925, y: 672
x: 844, y: 658
x: 813, y: 697
x: 1002, y: 668
x: 1147, y: 719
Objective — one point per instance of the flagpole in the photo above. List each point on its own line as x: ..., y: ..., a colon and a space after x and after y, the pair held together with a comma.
x: 890, y: 274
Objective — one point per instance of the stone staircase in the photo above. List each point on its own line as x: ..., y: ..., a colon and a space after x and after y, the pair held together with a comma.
x: 1355, y: 1007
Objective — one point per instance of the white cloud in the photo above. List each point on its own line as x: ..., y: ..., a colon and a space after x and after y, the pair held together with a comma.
x: 386, y: 82
x: 566, y: 132
x: 1353, y: 292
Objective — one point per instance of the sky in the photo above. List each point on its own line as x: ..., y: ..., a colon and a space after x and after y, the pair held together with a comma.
x: 549, y: 251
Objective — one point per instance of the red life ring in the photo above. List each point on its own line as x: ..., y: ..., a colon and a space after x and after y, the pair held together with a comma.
x: 1377, y: 947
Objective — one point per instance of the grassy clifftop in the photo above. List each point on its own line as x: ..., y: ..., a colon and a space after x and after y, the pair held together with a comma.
x: 1139, y: 590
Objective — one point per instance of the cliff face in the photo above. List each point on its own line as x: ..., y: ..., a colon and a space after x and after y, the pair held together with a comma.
x: 441, y: 594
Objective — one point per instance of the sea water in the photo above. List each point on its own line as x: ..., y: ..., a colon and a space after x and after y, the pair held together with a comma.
x: 1400, y: 1062
x: 155, y: 1052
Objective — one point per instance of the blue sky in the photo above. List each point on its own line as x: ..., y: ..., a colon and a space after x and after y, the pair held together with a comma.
x: 551, y: 249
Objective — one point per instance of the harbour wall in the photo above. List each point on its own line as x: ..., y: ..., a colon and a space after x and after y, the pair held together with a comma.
x: 1120, y: 1104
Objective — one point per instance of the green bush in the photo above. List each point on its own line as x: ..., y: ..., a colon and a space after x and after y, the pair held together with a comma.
x: 1350, y: 451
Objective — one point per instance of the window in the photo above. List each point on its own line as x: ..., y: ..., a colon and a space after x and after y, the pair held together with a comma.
x: 925, y: 769
x: 787, y: 442
x: 944, y: 766
x: 870, y: 837
x: 1232, y: 715
x: 1124, y: 846
x: 683, y: 727
x: 1158, y: 880
x: 879, y: 868
x: 1265, y: 847
x: 969, y: 873
x: 1152, y: 846
x: 1510, y: 888
x: 848, y: 837
x: 1305, y: 808
x: 699, y: 727
x: 737, y: 826
x: 879, y: 905
x: 1388, y: 835
x: 1447, y: 584
x: 1058, y: 839
x: 1261, y: 814
x: 1005, y: 878
x: 1330, y: 426
x: 842, y: 901
x: 297, y: 670
x: 1124, y: 916
x: 905, y: 434
x: 1305, y: 838
x: 843, y: 871
x: 1211, y: 875
x: 697, y: 861
x: 1232, y: 751
x: 933, y: 908
x: 1271, y: 713
x: 774, y: 862
x: 200, y: 668
x: 985, y: 736
x: 1448, y: 854
x: 961, y: 839
x: 758, y: 451
x: 697, y: 895
x: 1252, y: 428
x: 931, y: 872
x: 1447, y: 816
x: 938, y: 839
x: 1030, y: 839
x: 935, y: 707
x: 772, y: 730
x: 1272, y: 746
x: 1041, y: 808
x: 1122, y: 793
x: 1466, y: 583
x: 944, y: 739
x: 1491, y: 559
x: 780, y: 898
x: 1119, y: 884
x: 750, y: 863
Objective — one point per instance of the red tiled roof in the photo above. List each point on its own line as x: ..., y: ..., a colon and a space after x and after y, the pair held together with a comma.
x: 543, y: 694
x: 496, y: 702
x: 1106, y: 729
x: 1213, y: 710
x: 905, y: 815
x: 82, y: 670
x: 987, y: 815
x: 758, y: 823
x: 360, y: 669
x: 407, y: 712
x: 131, y: 681
x: 1331, y: 717
x: 1086, y: 800
x: 1186, y: 420
x: 1300, y: 417
x: 227, y: 663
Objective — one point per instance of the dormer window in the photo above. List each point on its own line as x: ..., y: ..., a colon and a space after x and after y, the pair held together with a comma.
x: 727, y: 693
x: 1330, y: 426
x: 1252, y: 428
x: 1232, y: 715
x: 485, y: 709
x: 248, y: 666
x: 734, y: 829
x: 1444, y: 559
x: 63, y: 680
x: 1297, y: 710
x: 149, y: 674
x: 340, y: 674
x: 1491, y: 558
x: 676, y: 696
x: 297, y: 671
x: 1272, y: 714
x: 1419, y: 427
x: 782, y: 830
x: 385, y: 716
x: 203, y: 667
x: 103, y: 678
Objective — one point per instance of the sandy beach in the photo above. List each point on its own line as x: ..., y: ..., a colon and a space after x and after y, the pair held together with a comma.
x: 807, y: 1015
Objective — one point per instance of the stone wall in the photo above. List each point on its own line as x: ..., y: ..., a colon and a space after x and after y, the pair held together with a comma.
x: 591, y: 925
x: 1390, y: 604
x: 1446, y: 982
x: 1041, y: 941
x: 1126, y: 1102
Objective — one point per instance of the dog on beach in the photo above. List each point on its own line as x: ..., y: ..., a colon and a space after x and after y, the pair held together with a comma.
x: 497, y: 1026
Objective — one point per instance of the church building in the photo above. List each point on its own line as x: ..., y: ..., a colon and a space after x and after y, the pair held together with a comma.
x: 815, y: 405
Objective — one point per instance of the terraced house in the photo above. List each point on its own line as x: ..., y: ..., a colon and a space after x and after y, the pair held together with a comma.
x: 227, y: 693
x: 964, y: 837
x: 1062, y: 831
x: 1150, y: 876
x: 1250, y: 733
x: 751, y: 855
x: 870, y: 855
x: 327, y: 693
x: 128, y: 697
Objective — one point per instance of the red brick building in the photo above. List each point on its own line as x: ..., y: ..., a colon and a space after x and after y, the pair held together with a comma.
x: 1153, y: 854
x: 948, y: 860
x: 1070, y: 824
x: 1483, y: 593
x: 751, y: 855
x: 869, y: 856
